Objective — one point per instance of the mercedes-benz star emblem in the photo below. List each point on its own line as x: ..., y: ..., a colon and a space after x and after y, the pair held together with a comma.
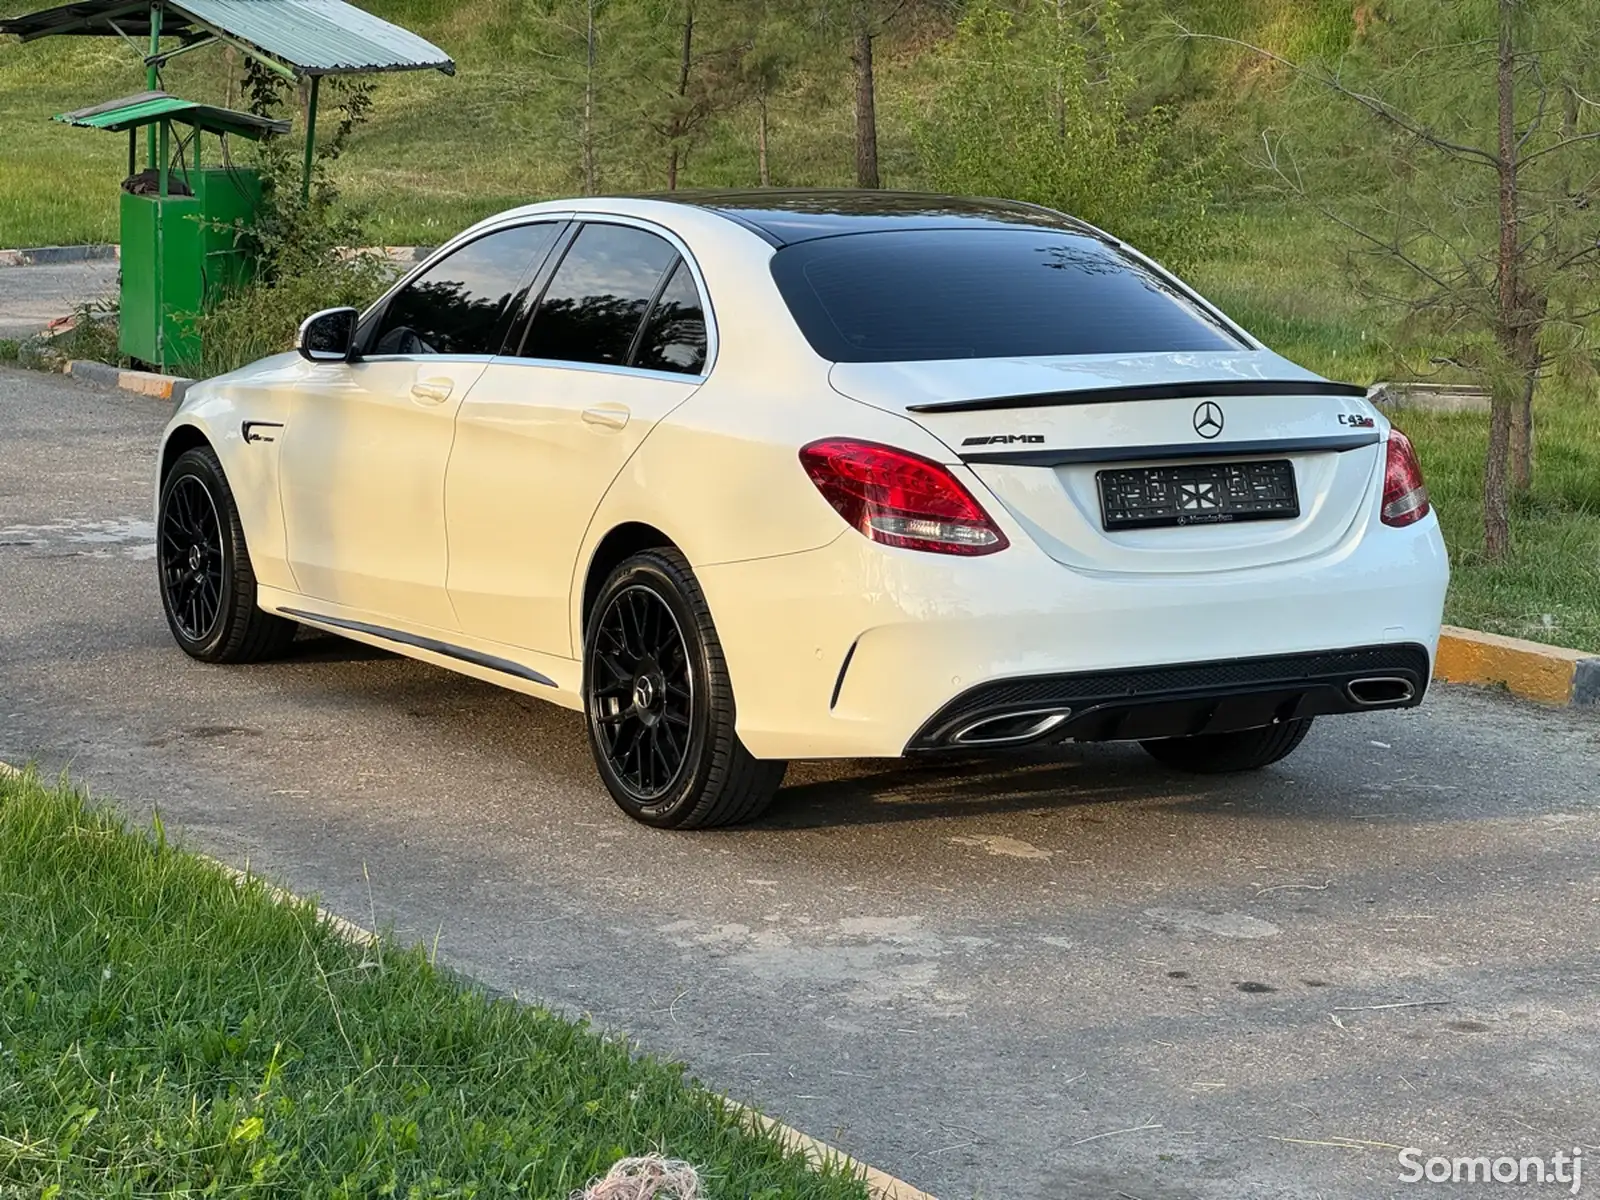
x: 1208, y: 419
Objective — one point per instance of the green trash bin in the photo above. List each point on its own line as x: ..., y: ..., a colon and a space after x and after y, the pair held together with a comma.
x: 180, y: 224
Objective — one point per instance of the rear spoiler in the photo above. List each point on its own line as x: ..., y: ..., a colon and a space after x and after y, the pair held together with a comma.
x: 1337, y: 443
x: 1197, y: 390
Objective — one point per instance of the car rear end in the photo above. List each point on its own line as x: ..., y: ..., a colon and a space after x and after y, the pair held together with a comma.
x: 1136, y: 522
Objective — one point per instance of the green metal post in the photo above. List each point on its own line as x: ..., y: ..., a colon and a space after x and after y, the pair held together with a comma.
x: 161, y: 251
x: 311, y: 139
x: 152, y: 74
x: 133, y: 152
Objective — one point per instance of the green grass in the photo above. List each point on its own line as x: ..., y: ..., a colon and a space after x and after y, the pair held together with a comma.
x: 1549, y: 589
x: 165, y: 1030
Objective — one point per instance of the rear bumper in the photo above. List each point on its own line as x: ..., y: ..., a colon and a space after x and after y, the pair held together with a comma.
x: 1177, y: 700
x: 859, y: 650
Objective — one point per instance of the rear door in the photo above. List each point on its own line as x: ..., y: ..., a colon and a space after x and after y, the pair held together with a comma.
x: 618, y: 339
x: 1124, y: 423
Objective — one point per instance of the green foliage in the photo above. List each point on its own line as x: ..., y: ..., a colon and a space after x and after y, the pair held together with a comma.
x: 1409, y: 174
x: 167, y: 1030
x: 303, y: 248
x: 1547, y: 588
x: 92, y: 335
x: 1036, y: 104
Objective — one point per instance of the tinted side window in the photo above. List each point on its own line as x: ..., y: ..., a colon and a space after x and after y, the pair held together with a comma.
x: 675, y: 335
x: 915, y: 295
x: 598, y: 295
x: 465, y: 303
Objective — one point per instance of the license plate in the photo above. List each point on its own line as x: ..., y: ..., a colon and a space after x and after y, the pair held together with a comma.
x: 1198, y: 494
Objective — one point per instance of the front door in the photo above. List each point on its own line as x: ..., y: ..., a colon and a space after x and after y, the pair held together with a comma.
x: 366, y: 445
x: 617, y: 341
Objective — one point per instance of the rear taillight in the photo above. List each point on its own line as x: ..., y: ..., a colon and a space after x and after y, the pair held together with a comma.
x: 899, y: 498
x: 1405, y: 496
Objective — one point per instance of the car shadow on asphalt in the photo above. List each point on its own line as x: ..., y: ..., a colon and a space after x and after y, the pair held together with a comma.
x: 874, y: 792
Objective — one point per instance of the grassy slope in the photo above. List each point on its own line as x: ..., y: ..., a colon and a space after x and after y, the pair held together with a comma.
x: 1549, y: 591
x: 165, y: 1030
x: 440, y: 152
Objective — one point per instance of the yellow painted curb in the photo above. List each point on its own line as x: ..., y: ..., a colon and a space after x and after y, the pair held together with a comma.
x: 143, y: 383
x: 1548, y: 674
x: 880, y: 1184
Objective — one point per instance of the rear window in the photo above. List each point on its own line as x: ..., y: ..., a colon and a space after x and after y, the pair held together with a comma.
x: 914, y: 295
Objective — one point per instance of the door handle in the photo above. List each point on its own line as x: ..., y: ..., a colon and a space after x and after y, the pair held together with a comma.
x: 607, y: 416
x: 433, y: 391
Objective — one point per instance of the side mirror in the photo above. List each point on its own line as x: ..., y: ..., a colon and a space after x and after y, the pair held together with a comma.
x: 328, y: 336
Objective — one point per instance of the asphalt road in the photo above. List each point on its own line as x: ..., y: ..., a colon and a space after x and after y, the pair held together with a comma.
x: 32, y: 297
x: 1076, y: 976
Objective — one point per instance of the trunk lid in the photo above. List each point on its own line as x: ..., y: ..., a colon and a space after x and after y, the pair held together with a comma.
x: 1039, y: 433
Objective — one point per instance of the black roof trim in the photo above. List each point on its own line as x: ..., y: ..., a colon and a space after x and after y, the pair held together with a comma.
x: 784, y: 217
x: 1195, y: 390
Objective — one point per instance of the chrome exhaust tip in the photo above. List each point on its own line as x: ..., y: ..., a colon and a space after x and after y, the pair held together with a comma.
x: 1380, y: 689
x: 1008, y: 728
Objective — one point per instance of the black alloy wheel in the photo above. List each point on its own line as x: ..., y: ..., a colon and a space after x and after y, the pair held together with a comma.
x: 661, y: 717
x: 643, y: 692
x: 208, y: 587
x: 191, y: 558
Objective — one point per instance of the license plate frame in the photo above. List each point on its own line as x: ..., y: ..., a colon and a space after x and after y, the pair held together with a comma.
x: 1197, y: 493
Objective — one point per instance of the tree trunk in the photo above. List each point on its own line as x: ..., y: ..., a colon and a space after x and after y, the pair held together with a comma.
x: 1496, y: 493
x: 1522, y: 438
x: 761, y: 140
x: 866, y: 113
x: 591, y: 181
x: 676, y: 127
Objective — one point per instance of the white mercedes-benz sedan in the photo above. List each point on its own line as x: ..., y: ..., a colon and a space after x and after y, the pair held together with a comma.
x: 759, y: 476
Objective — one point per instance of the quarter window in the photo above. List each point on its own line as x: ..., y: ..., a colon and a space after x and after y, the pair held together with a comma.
x: 675, y: 335
x: 464, y: 304
x: 592, y: 309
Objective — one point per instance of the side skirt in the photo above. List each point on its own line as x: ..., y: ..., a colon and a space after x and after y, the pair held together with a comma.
x: 478, y: 659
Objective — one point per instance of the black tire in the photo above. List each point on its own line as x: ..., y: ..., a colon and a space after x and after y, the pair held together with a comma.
x: 660, y: 704
x: 1221, y: 753
x: 208, y: 589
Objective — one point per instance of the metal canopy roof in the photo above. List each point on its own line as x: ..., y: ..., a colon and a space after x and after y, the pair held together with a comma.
x: 146, y: 108
x: 314, y: 37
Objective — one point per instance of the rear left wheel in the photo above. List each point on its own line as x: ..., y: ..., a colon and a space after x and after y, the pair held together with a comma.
x: 208, y: 588
x: 660, y: 704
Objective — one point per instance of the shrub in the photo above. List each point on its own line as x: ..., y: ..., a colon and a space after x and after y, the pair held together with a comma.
x: 306, y: 249
x: 1034, y: 104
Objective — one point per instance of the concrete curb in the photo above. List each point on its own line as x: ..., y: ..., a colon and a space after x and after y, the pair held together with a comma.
x: 43, y: 256
x: 1547, y: 674
x: 145, y: 383
x: 880, y: 1185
